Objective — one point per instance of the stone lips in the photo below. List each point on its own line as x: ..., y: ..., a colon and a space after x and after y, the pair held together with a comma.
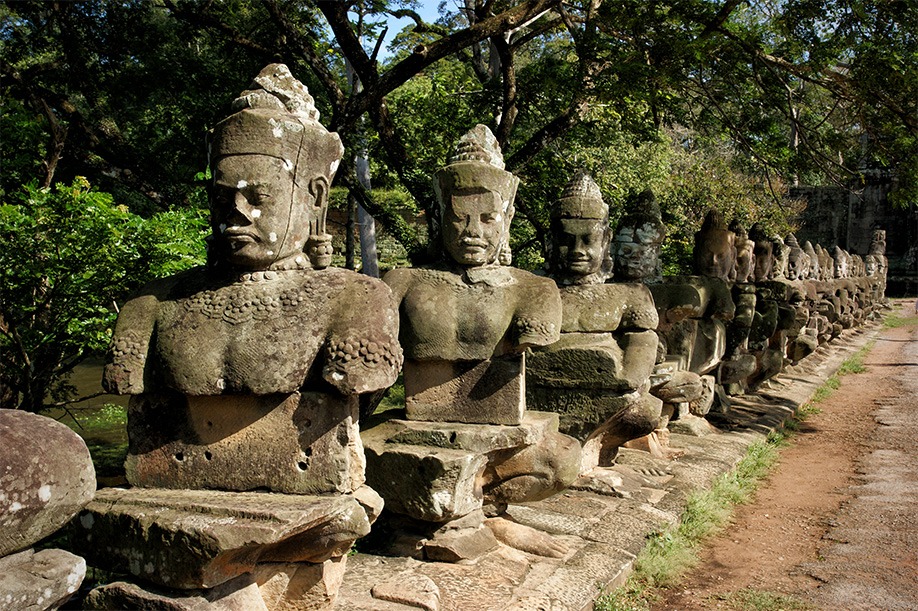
x: 46, y: 477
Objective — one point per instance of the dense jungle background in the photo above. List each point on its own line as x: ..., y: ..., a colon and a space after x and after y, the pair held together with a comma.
x: 709, y: 103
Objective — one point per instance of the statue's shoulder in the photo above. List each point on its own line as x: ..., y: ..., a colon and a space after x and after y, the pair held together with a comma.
x: 351, y: 284
x: 532, y: 280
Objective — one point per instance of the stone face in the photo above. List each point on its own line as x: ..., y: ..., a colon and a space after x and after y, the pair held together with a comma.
x: 191, y: 539
x: 715, y: 248
x: 477, y: 392
x: 638, y: 240
x: 683, y: 387
x: 35, y: 581
x: 301, y: 443
x: 46, y: 477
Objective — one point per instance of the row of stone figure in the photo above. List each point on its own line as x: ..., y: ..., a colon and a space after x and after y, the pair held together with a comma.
x: 250, y: 477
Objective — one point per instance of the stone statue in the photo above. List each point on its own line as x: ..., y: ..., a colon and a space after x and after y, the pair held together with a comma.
x: 715, y: 248
x: 745, y: 253
x: 597, y: 375
x: 246, y: 373
x: 781, y: 253
x: 798, y: 262
x: 465, y: 325
x: 638, y: 241
x: 763, y: 253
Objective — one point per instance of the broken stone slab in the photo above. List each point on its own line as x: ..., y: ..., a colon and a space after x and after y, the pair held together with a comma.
x: 35, y: 581
x: 191, y: 539
x: 683, y: 387
x: 702, y: 405
x: 46, y: 477
x: 472, y: 437
x: 240, y: 594
x: 423, y: 482
x: 409, y: 589
x: 301, y: 586
x: 492, y: 391
x: 689, y: 424
x: 297, y: 443
x: 457, y: 544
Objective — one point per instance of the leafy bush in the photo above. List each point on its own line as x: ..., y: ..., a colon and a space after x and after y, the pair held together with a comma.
x: 68, y: 255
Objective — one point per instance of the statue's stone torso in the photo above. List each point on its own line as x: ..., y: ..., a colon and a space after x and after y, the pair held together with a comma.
x: 197, y: 335
x: 444, y: 316
x: 600, y: 308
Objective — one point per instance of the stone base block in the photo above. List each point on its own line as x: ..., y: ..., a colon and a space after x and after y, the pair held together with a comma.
x: 478, y: 392
x: 423, y: 482
x: 240, y: 594
x: 434, y: 471
x: 301, y: 586
x: 39, y: 580
x: 191, y: 539
x: 301, y: 443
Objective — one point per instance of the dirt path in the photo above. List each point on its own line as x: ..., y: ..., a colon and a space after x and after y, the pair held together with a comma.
x: 836, y: 524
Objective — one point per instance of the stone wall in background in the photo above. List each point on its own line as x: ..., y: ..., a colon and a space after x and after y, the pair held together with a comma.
x: 848, y: 216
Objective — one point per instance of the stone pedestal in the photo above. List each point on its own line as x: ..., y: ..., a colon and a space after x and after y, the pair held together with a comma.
x: 474, y: 392
x: 194, y: 544
x: 439, y: 474
x: 302, y: 442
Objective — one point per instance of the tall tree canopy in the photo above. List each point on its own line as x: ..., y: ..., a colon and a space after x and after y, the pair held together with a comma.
x: 805, y: 91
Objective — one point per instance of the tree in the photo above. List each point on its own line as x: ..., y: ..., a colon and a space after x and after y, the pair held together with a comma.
x: 68, y: 255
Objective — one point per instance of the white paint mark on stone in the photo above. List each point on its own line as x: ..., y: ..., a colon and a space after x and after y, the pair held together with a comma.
x: 272, y: 237
x: 337, y: 376
x: 221, y: 383
x: 297, y: 244
x: 288, y: 165
x: 256, y: 213
x: 334, y: 166
x: 299, y: 260
x: 15, y: 506
x: 270, y: 253
x: 242, y: 184
x: 44, y: 493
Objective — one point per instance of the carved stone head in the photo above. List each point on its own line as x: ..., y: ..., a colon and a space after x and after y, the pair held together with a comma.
x: 272, y: 164
x: 745, y: 252
x: 841, y: 263
x: 878, y: 243
x: 715, y: 248
x: 580, y: 234
x: 781, y: 253
x: 798, y: 263
x: 638, y: 241
x: 763, y: 251
x: 813, y: 259
x: 476, y: 200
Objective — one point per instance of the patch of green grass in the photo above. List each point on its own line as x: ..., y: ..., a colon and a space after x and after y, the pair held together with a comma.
x: 855, y: 363
x: 750, y: 599
x: 892, y: 321
x: 670, y: 553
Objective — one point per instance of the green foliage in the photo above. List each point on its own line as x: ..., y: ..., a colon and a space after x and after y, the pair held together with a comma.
x: 68, y: 255
x: 750, y: 599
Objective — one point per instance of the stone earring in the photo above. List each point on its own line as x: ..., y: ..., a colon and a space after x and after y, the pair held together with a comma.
x: 319, y: 250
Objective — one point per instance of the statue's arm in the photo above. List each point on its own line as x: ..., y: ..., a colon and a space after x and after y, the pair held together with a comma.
x: 362, y: 353
x: 538, y: 314
x: 128, y: 368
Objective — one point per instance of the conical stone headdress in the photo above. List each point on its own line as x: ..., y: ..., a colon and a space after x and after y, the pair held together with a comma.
x: 581, y: 199
x: 277, y: 117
